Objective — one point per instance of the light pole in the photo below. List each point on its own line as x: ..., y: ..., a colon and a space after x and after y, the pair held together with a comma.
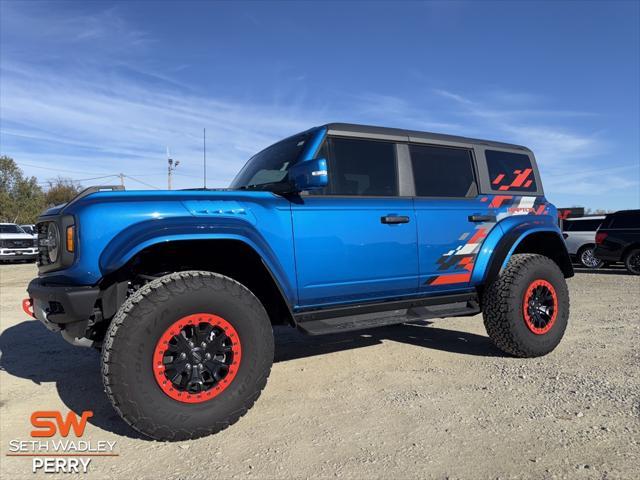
x: 172, y: 167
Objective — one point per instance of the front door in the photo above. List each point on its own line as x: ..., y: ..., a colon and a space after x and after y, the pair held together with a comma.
x: 356, y: 240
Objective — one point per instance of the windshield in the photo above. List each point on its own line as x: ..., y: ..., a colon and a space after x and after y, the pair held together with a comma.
x: 10, y: 229
x: 270, y: 166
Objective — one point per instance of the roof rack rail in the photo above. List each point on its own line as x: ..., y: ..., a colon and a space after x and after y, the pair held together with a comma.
x: 90, y: 190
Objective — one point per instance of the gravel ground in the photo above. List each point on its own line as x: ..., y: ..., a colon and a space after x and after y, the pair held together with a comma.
x: 430, y: 400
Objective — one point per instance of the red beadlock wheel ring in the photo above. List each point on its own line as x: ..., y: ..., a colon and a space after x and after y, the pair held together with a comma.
x: 27, y: 307
x: 197, y: 358
x: 540, y: 306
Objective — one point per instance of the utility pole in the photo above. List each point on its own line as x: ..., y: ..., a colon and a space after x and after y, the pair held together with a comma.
x: 204, y: 155
x: 172, y: 167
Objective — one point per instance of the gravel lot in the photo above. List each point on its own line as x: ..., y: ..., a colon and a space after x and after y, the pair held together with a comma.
x: 432, y: 400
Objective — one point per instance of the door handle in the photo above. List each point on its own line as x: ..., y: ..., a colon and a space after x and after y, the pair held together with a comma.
x: 394, y: 219
x: 482, y: 218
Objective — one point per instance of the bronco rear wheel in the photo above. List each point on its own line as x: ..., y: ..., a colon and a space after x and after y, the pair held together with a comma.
x: 187, y: 355
x: 526, y: 309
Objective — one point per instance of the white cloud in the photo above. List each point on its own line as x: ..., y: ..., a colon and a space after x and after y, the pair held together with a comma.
x: 553, y: 144
x: 121, y: 125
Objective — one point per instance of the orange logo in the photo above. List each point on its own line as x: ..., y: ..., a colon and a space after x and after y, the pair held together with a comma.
x: 47, y: 423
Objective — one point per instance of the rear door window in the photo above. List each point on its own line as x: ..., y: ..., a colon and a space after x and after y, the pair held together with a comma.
x: 442, y: 171
x: 585, y: 225
x: 510, y: 172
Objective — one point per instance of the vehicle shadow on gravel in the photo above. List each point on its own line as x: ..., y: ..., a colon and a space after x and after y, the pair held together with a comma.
x: 30, y: 351
x: 292, y: 344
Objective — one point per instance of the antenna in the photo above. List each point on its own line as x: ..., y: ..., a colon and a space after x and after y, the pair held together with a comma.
x: 204, y: 155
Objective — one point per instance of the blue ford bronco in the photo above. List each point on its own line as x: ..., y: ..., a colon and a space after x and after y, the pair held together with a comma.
x: 342, y: 227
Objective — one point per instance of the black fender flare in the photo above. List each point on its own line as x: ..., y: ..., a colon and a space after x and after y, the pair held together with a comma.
x: 543, y: 242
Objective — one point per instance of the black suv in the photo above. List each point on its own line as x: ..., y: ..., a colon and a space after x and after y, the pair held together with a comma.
x: 618, y: 239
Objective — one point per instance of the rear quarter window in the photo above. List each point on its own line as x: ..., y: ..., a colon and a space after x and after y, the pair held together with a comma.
x: 510, y: 172
x: 625, y: 220
x: 606, y: 223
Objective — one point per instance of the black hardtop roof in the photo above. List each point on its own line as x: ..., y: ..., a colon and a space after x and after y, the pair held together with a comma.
x: 384, y: 132
x: 591, y: 216
x: 625, y: 212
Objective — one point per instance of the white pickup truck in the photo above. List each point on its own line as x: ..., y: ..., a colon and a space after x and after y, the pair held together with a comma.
x: 16, y: 244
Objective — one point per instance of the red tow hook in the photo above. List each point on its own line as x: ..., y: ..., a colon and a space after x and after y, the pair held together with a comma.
x: 27, y: 306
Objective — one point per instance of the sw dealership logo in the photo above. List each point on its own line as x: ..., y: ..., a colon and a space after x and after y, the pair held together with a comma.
x: 46, y: 427
x: 68, y: 454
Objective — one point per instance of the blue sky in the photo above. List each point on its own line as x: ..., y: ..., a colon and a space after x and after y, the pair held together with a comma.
x: 90, y: 89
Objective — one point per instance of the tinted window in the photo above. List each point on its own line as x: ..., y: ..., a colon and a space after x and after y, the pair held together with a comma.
x: 362, y: 167
x: 510, y: 171
x: 581, y: 225
x: 626, y: 220
x: 9, y: 228
x: 442, y: 172
x: 606, y: 223
x: 323, y: 151
x: 271, y: 164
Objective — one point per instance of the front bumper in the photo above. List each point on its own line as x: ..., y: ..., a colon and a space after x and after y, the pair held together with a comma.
x: 10, y: 253
x: 607, y: 255
x: 59, y: 305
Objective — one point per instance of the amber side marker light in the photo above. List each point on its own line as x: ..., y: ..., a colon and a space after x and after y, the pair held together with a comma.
x: 71, y: 246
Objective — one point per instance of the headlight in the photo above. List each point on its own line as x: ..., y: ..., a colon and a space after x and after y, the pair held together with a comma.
x: 53, y: 242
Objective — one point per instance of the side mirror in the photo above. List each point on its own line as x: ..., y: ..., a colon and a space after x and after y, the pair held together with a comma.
x: 309, y: 175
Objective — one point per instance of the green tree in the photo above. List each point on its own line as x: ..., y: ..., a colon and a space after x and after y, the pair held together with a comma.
x: 21, y: 198
x: 61, y: 190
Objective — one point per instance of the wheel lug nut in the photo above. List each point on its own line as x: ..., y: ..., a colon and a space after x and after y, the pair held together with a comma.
x: 203, y: 344
x: 191, y: 345
x: 183, y: 356
x: 200, y: 366
x: 207, y: 356
x: 188, y: 366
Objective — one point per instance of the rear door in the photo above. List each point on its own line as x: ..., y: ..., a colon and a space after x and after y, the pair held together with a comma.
x: 451, y: 217
x: 356, y: 240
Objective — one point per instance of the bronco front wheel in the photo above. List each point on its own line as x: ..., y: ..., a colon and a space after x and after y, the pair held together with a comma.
x: 526, y: 309
x: 187, y: 355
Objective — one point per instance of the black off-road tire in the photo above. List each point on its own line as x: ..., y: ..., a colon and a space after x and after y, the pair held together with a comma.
x: 503, y: 306
x: 631, y: 261
x: 132, y: 337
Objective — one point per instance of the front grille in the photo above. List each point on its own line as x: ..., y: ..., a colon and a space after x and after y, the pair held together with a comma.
x: 19, y: 243
x: 43, y: 256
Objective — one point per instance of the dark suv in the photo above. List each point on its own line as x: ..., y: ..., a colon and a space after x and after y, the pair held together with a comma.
x: 618, y: 239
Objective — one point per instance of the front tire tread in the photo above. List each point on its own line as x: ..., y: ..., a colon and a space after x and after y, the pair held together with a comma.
x: 178, y: 282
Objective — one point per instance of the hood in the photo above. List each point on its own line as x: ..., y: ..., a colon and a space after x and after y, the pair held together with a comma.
x: 15, y: 236
x: 53, y: 210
